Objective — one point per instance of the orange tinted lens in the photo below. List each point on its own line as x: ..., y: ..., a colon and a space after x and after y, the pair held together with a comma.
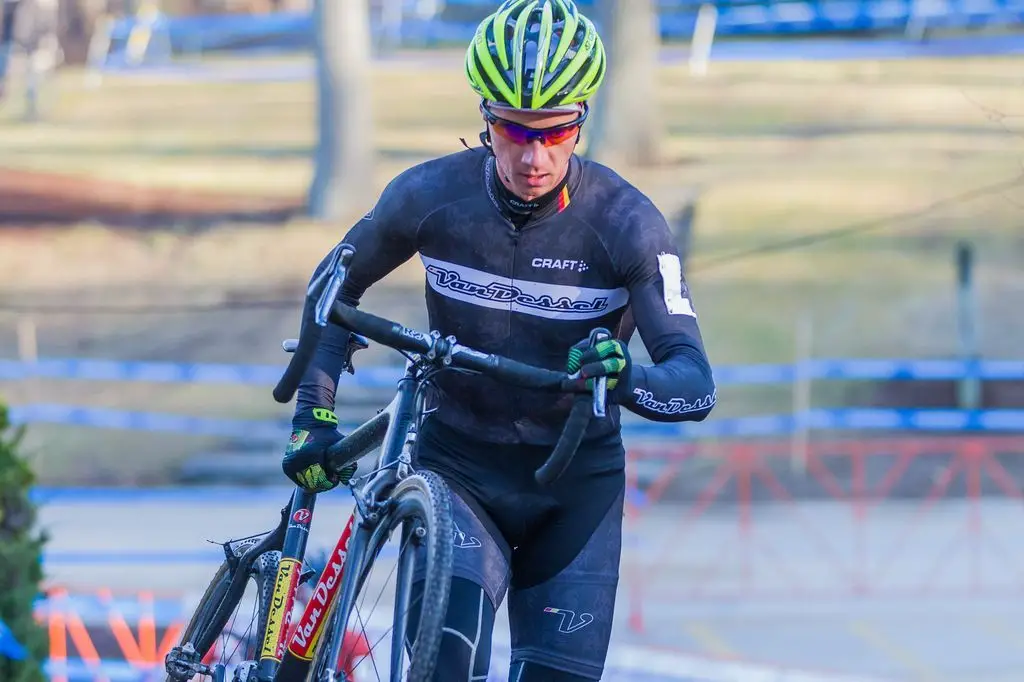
x: 512, y: 133
x: 559, y: 136
x: 523, y: 135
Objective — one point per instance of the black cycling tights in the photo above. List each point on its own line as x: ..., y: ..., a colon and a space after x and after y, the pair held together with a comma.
x: 524, y: 671
x: 466, y: 646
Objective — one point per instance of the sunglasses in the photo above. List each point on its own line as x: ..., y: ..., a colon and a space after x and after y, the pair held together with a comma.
x: 520, y: 134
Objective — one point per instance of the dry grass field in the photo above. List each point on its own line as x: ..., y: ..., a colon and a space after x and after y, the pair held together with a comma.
x: 898, y: 160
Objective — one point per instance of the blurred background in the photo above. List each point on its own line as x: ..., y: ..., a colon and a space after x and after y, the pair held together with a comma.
x: 844, y: 177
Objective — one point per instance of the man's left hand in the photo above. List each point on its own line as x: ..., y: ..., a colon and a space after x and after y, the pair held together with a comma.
x: 608, y: 358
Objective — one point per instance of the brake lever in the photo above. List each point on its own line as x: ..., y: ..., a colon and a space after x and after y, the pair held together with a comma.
x: 356, y: 342
x: 336, y: 272
x: 600, y: 399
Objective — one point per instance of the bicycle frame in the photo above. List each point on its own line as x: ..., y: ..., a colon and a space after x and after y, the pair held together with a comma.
x: 282, y: 661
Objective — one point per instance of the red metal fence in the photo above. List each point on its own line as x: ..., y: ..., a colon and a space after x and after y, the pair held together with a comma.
x: 857, y: 518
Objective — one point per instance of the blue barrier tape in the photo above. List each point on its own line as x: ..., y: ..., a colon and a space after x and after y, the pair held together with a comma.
x: 200, y: 495
x: 157, y: 372
x: 928, y: 420
x: 294, y: 31
x: 213, y: 555
x: 77, y: 670
x: 99, y: 417
x: 755, y: 49
x: 386, y: 377
x: 169, y: 557
x: 205, y: 495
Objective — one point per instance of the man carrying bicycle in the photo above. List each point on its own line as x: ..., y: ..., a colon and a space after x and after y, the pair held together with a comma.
x: 527, y: 247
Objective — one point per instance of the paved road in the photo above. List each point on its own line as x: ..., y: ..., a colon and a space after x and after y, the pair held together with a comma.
x: 706, y: 587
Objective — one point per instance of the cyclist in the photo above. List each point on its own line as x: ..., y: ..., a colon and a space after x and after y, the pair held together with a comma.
x: 527, y: 247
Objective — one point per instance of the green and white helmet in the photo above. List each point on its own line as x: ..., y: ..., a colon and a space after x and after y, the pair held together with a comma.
x: 536, y: 54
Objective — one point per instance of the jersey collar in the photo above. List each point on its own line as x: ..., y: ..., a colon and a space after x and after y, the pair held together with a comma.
x: 524, y: 214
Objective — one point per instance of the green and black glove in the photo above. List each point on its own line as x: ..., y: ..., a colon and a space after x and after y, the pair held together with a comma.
x: 608, y: 358
x: 305, y: 458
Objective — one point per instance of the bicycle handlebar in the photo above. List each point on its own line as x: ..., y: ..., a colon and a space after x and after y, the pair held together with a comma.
x: 302, y: 355
x: 326, y: 308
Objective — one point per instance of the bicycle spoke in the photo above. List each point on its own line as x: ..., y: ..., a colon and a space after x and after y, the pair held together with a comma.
x: 390, y: 630
x: 359, y: 614
x: 382, y: 637
x: 244, y: 637
x: 362, y: 626
x: 229, y: 632
x: 381, y: 593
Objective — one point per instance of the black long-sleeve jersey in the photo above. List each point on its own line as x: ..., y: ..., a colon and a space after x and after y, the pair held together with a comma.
x: 527, y: 282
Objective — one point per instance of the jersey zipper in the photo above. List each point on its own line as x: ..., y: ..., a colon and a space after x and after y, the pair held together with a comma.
x: 515, y: 234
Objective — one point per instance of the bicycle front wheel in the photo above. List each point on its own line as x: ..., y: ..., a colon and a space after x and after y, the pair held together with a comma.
x: 401, y: 591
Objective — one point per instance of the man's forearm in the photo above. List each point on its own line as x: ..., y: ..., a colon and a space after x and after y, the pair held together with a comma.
x: 679, y: 389
x: 320, y: 383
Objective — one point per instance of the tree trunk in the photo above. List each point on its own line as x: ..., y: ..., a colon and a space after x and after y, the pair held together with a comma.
x: 628, y: 125
x: 343, y: 178
x: 76, y: 21
x: 8, y: 10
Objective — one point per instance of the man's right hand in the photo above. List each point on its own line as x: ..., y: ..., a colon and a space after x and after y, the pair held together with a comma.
x: 305, y: 460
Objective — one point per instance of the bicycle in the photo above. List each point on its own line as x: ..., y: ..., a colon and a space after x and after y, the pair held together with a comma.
x: 392, y: 495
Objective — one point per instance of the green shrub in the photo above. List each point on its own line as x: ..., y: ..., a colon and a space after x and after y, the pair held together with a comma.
x: 21, y: 546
